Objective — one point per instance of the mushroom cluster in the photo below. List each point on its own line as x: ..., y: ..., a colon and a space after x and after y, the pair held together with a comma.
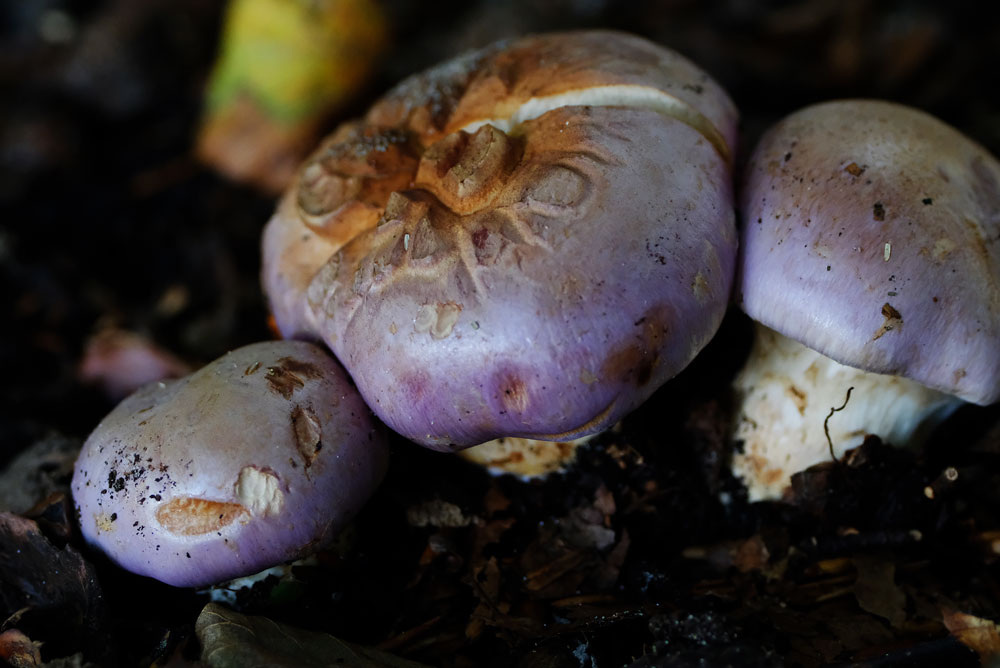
x: 870, y: 259
x: 526, y: 242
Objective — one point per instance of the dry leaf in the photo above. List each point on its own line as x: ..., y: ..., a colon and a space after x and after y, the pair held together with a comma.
x: 43, y: 468
x: 438, y: 513
x: 747, y: 555
x: 54, y: 585
x: 486, y: 587
x: 876, y: 590
x: 229, y: 639
x: 980, y: 635
x: 607, y: 576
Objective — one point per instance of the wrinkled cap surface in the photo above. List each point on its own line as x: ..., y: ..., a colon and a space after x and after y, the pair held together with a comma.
x: 258, y: 458
x: 525, y: 241
x: 872, y: 234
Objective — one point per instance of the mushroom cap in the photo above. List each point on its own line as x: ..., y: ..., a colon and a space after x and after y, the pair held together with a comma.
x: 872, y: 235
x: 258, y: 458
x: 525, y: 241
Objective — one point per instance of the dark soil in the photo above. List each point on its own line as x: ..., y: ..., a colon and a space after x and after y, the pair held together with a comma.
x: 646, y: 553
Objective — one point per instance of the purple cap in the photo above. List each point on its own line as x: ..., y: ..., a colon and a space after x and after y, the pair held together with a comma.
x: 526, y: 241
x: 258, y: 458
x: 872, y: 235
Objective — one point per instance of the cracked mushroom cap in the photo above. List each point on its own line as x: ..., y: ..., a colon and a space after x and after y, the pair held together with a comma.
x: 872, y: 235
x: 258, y: 458
x: 525, y: 241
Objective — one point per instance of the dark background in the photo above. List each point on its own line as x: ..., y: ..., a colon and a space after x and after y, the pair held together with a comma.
x: 107, y: 219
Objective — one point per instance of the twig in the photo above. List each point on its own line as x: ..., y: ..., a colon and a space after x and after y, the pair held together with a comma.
x: 826, y: 422
x: 408, y: 635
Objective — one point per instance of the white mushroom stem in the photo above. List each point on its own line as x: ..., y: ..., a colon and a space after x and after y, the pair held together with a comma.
x: 527, y: 458
x: 786, y: 392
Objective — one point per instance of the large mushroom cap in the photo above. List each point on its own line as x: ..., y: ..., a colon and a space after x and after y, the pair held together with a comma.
x: 872, y: 235
x: 258, y: 458
x: 525, y: 241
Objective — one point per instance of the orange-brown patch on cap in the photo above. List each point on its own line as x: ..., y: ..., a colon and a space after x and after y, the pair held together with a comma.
x: 190, y: 516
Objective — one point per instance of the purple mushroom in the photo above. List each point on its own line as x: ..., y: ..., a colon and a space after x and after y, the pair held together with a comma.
x: 525, y: 241
x: 870, y: 258
x: 258, y: 458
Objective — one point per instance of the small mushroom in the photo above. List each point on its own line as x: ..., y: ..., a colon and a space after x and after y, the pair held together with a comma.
x: 525, y: 241
x: 870, y: 258
x: 120, y: 362
x: 258, y: 458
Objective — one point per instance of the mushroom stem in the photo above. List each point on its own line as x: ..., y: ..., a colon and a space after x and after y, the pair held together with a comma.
x: 786, y: 391
x: 526, y: 458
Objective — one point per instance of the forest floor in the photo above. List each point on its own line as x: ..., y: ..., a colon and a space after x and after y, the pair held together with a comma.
x: 645, y: 553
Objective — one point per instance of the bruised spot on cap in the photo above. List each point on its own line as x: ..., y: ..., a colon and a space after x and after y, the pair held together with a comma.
x: 631, y: 363
x: 190, y: 516
x: 289, y: 375
x: 513, y: 394
x: 700, y: 288
x: 308, y: 433
x: 636, y: 361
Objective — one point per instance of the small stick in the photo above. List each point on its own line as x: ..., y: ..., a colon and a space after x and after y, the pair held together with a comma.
x: 826, y: 422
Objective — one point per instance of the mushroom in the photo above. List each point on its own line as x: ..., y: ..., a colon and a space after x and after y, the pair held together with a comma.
x: 525, y: 241
x: 870, y: 258
x: 258, y: 458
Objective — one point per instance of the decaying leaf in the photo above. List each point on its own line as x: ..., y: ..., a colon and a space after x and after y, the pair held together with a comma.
x: 38, y: 471
x: 747, y: 555
x: 980, y: 635
x: 53, y: 514
x: 54, y: 588
x: 876, y: 590
x: 438, y: 513
x: 231, y: 639
x: 486, y: 588
x: 607, y: 575
x: 283, y: 67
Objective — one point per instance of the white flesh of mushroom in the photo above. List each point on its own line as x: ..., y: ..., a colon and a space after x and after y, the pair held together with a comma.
x: 787, y: 390
x: 526, y: 458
